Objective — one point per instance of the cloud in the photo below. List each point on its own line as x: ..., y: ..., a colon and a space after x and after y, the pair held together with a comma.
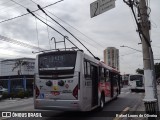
x: 114, y: 28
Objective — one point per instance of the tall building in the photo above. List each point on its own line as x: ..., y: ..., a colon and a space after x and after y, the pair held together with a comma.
x: 111, y: 57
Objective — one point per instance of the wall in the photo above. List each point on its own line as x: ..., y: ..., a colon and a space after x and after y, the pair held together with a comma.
x: 21, y: 66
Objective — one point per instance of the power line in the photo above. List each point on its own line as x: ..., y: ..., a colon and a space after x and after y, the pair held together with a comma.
x: 52, y: 28
x: 17, y: 3
x: 28, y: 13
x: 47, y: 25
x: 60, y: 32
x: 6, y: 39
x: 7, y: 8
x: 59, y: 18
x: 73, y: 28
x: 66, y: 31
x: 129, y: 54
x: 37, y: 33
x: 53, y: 23
x: 63, y: 28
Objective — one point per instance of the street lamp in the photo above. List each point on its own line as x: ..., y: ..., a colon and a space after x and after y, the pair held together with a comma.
x: 131, y: 48
x: 134, y: 49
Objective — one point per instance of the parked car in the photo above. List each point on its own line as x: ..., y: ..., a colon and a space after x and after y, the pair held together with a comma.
x: 2, y: 90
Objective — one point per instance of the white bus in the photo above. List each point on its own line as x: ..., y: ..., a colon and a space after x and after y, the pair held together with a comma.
x: 74, y: 81
x: 136, y: 82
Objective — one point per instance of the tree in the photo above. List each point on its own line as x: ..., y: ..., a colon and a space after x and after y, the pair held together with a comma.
x: 157, y: 70
x: 140, y: 71
x: 18, y: 64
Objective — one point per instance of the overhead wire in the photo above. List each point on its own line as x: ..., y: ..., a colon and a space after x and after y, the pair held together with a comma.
x: 17, y: 3
x: 75, y: 28
x: 52, y: 28
x: 11, y: 55
x: 65, y: 23
x: 129, y: 53
x: 9, y: 7
x: 6, y: 39
x: 24, y: 44
x: 53, y: 23
x: 45, y: 7
x: 49, y: 26
x: 67, y: 31
x: 57, y: 30
x: 131, y: 4
x: 48, y: 34
x: 64, y: 29
x: 71, y: 26
x: 37, y: 32
x: 28, y: 13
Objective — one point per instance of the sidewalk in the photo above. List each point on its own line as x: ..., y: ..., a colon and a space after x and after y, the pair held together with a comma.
x: 140, y: 107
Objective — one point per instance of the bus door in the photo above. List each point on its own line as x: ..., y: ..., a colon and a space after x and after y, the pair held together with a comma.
x: 107, y: 85
x: 94, y: 76
x: 114, y: 84
x: 87, y: 85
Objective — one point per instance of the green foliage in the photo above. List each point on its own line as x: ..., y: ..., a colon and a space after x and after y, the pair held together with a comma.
x: 19, y: 94
x: 140, y: 71
x: 5, y: 95
x: 12, y: 95
x: 157, y: 70
x: 26, y: 94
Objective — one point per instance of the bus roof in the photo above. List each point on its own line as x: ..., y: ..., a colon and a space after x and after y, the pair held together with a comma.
x: 108, y: 67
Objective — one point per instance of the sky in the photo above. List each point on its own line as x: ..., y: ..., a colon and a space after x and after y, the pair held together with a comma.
x: 112, y: 28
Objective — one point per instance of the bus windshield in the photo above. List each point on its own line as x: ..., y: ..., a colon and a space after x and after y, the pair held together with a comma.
x: 136, y: 77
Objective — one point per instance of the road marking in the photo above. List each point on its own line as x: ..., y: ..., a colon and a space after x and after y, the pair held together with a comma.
x: 122, y: 113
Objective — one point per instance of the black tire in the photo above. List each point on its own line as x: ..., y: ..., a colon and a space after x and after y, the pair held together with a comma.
x: 132, y: 90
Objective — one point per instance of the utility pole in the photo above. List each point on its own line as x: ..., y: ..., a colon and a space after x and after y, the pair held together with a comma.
x: 150, y: 100
x: 143, y: 24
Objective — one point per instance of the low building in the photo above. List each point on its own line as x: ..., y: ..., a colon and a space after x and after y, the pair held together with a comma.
x: 17, y: 74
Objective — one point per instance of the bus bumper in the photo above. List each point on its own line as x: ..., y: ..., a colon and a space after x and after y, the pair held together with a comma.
x: 64, y: 105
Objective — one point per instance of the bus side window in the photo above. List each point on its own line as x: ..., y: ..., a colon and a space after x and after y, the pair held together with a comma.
x: 87, y: 69
x: 115, y: 79
x: 107, y: 75
x: 102, y: 74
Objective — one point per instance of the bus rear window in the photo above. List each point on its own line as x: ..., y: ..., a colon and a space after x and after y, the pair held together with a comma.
x: 136, y: 77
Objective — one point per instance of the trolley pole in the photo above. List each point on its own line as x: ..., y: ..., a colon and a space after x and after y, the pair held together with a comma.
x: 150, y: 99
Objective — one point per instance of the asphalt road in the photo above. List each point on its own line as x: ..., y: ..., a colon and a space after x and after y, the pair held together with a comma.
x: 126, y: 99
